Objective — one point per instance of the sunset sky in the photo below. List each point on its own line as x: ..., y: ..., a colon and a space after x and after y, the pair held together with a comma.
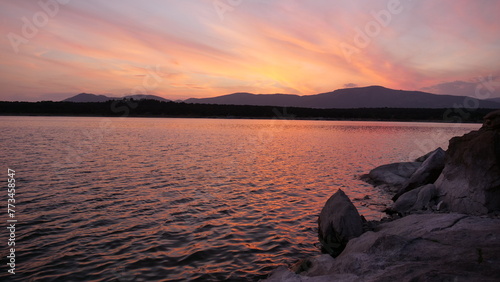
x: 51, y: 50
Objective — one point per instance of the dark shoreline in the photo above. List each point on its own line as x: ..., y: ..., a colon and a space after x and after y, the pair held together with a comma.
x: 240, y: 118
x: 156, y: 109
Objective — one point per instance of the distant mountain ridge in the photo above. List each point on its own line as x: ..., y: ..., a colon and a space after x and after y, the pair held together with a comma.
x: 87, y: 98
x: 360, y: 97
x: 496, y: 100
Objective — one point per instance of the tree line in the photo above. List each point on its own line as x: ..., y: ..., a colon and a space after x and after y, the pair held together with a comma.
x: 154, y: 108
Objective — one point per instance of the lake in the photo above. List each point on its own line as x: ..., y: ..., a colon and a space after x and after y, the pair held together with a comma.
x: 162, y: 199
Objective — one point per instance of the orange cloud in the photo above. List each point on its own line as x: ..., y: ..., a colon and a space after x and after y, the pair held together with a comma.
x: 263, y: 47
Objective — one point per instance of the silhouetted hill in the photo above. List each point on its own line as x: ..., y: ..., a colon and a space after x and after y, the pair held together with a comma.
x: 348, y: 98
x: 361, y: 97
x: 277, y: 100
x: 496, y: 100
x: 146, y: 97
x: 87, y: 98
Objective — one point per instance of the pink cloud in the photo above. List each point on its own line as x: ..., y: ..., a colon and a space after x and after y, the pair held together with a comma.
x: 263, y: 47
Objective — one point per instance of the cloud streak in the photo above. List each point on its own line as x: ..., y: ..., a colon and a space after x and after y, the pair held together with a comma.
x: 260, y: 46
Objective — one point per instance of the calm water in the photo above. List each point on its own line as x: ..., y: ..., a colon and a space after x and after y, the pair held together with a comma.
x: 137, y: 199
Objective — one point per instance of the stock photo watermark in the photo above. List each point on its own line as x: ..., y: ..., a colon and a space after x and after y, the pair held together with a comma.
x: 76, y: 155
x: 222, y: 7
x: 12, y: 221
x: 456, y: 115
x: 94, y: 137
x: 252, y: 144
x: 31, y: 26
x: 150, y: 82
x: 460, y: 112
x: 363, y: 36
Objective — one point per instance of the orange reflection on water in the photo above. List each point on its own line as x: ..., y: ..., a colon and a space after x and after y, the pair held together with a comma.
x: 191, y: 198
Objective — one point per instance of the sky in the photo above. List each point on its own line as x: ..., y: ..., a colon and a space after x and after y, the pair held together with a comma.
x: 54, y: 49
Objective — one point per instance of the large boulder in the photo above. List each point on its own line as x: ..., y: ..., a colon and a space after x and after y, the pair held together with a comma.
x: 395, y: 174
x: 418, y: 247
x: 470, y: 181
x: 338, y: 222
x: 437, y: 247
x: 427, y: 173
x: 415, y: 200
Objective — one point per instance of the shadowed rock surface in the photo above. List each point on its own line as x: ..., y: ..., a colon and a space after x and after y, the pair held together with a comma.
x: 415, y: 200
x: 427, y: 173
x: 395, y: 174
x: 419, y: 247
x: 492, y: 120
x: 338, y: 222
x: 470, y: 181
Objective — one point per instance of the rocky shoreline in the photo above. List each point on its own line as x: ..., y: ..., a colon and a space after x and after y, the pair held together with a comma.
x: 444, y: 224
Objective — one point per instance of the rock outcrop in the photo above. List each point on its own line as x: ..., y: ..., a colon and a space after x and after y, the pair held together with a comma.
x: 492, y: 120
x: 459, y: 243
x: 415, y: 200
x: 338, y: 222
x: 419, y: 247
x: 426, y: 173
x: 466, y: 176
x: 394, y: 175
x: 470, y: 181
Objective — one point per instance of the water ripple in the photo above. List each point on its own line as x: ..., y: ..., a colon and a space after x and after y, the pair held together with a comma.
x: 185, y: 199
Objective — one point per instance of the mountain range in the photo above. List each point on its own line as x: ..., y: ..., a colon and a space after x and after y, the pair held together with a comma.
x: 497, y: 100
x: 85, y: 97
x: 360, y: 97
